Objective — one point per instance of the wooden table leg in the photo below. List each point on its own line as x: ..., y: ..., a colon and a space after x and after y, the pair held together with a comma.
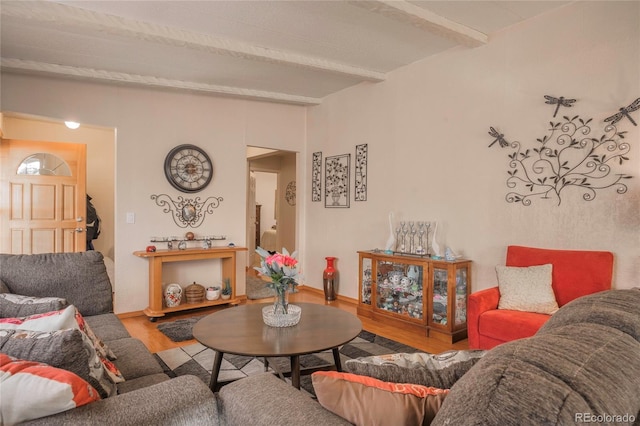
x: 336, y: 358
x: 217, y: 362
x: 295, y: 371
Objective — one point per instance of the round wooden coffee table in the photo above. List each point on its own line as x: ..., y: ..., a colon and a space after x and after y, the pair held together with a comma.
x: 241, y: 331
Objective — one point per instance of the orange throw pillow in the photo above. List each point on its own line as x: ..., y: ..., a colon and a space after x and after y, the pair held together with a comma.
x: 367, y: 401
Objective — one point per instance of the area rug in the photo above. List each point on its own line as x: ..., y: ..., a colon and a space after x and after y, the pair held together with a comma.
x: 197, y: 360
x: 257, y: 288
x: 179, y: 330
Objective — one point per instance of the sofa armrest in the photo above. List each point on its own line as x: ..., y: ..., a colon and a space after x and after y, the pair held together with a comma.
x: 180, y: 401
x: 272, y: 402
x: 479, y: 302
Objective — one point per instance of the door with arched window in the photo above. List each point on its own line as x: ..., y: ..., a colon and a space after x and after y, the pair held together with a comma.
x: 43, y: 197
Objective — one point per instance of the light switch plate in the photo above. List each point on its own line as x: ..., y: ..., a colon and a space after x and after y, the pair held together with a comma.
x: 131, y: 217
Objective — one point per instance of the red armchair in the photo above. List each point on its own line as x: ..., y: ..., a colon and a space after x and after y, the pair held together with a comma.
x: 575, y: 274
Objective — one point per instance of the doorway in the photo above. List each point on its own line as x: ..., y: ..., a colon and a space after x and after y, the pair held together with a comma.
x: 101, y: 162
x: 271, y: 203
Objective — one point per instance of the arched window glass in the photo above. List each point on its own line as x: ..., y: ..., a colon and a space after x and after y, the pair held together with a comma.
x: 43, y: 163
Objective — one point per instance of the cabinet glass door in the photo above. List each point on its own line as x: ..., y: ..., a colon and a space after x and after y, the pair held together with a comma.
x: 461, y: 296
x: 439, y: 308
x: 366, y: 280
x: 399, y: 288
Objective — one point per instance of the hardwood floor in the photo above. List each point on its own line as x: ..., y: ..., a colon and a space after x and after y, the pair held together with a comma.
x: 145, y: 330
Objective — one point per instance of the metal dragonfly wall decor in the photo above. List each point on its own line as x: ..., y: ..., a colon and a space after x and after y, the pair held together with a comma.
x: 568, y: 157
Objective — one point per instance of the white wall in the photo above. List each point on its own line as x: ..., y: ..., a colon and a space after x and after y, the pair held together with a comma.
x: 148, y: 124
x: 426, y: 129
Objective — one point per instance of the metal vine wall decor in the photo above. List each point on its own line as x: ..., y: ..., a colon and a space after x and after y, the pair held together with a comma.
x: 567, y: 157
x: 316, y: 176
x: 336, y: 181
x: 187, y: 211
x: 362, y: 157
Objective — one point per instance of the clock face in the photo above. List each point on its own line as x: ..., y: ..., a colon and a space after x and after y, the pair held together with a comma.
x: 188, y: 168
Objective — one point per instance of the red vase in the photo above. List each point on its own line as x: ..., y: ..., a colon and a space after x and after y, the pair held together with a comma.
x: 330, y: 279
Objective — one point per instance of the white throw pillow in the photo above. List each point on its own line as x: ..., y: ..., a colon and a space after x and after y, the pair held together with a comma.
x: 526, y: 289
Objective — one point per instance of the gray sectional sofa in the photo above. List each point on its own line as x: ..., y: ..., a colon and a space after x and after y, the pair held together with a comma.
x: 147, y: 396
x: 583, y: 363
x: 583, y: 366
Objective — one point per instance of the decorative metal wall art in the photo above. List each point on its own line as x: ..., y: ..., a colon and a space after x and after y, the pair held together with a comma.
x: 316, y: 176
x: 624, y: 112
x: 362, y: 156
x: 187, y: 211
x: 290, y: 194
x: 566, y: 158
x: 499, y: 137
x: 336, y: 181
x: 561, y: 101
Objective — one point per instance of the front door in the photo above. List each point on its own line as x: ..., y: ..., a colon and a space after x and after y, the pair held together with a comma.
x: 43, y: 197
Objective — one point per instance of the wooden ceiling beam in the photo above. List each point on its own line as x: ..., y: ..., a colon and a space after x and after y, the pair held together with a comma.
x: 426, y: 20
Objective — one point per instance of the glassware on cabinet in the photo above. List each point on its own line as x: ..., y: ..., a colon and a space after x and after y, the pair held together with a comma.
x: 461, y: 296
x: 440, y: 297
x: 399, y: 288
x: 366, y: 281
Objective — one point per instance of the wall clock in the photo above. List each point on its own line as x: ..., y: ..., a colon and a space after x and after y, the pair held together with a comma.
x: 188, y: 168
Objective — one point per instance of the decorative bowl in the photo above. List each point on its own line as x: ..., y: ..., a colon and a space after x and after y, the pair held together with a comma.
x: 281, y: 320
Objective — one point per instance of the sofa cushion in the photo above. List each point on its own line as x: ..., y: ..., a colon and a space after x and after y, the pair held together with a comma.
x: 272, y: 402
x: 548, y: 378
x: 440, y: 371
x: 31, y: 390
x: 67, y: 349
x: 619, y: 309
x: 108, y: 327
x: 16, y: 305
x: 526, y: 289
x: 364, y: 400
x: 81, y: 278
x: 134, y: 359
x: 506, y: 325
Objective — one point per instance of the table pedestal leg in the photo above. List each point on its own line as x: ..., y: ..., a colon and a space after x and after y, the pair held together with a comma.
x: 295, y: 371
x: 217, y: 362
x: 336, y: 359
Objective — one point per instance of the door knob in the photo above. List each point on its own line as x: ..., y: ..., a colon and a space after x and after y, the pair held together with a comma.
x: 79, y: 219
x: 79, y: 229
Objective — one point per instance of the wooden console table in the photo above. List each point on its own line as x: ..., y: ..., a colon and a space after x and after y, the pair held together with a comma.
x: 227, y: 256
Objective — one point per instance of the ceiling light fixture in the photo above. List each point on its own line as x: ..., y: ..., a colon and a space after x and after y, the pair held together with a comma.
x: 73, y: 125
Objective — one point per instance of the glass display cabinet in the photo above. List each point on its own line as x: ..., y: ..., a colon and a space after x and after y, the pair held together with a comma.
x: 418, y: 292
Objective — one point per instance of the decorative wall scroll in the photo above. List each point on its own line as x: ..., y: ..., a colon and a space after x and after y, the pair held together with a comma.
x: 362, y: 157
x: 316, y: 177
x: 187, y: 211
x: 567, y: 157
x: 336, y: 181
x: 290, y: 194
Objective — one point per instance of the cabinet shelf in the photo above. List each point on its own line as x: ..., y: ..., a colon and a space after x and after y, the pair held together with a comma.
x: 156, y: 308
x: 429, y: 295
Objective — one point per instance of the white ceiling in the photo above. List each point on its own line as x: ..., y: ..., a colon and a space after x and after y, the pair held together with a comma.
x: 284, y: 51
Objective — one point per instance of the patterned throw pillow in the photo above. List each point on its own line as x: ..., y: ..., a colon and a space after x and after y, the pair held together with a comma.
x: 68, y: 349
x: 61, y: 320
x: 363, y: 400
x: 15, y: 305
x: 31, y: 390
x: 526, y: 289
x: 440, y: 370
